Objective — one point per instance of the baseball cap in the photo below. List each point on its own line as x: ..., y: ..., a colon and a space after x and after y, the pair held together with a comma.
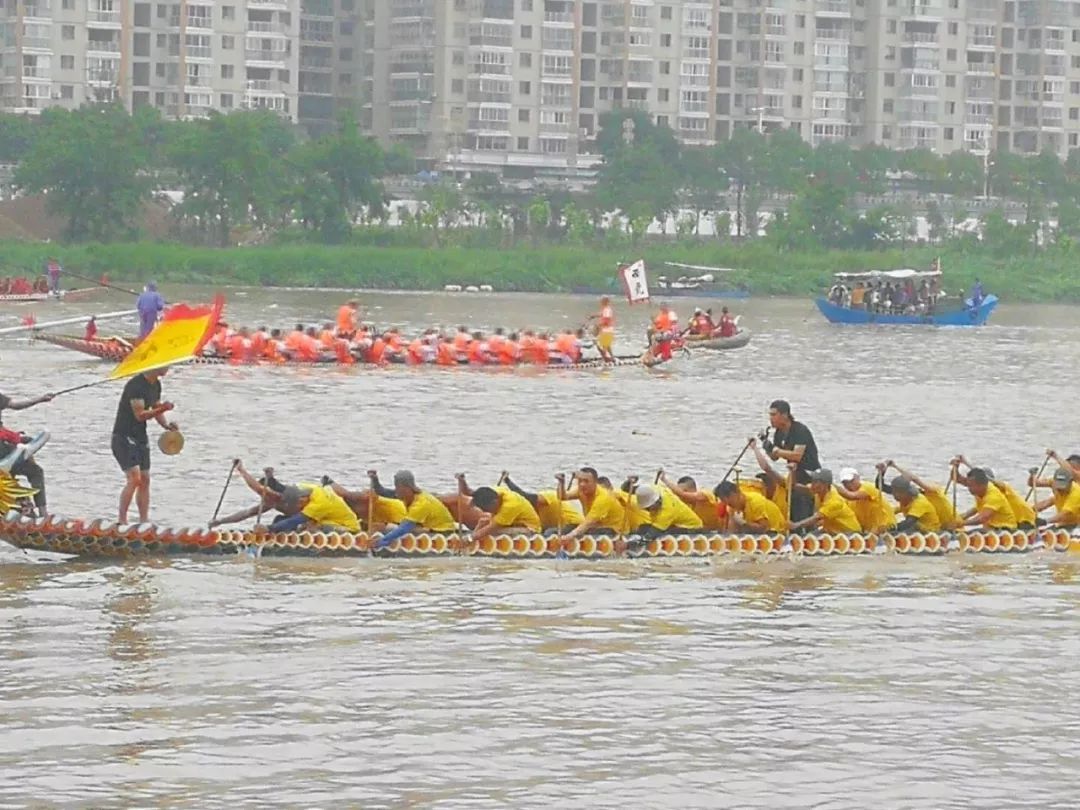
x: 404, y: 478
x: 1062, y: 478
x: 822, y: 477
x: 647, y: 496
x: 290, y: 497
x: 902, y: 484
x: 848, y: 474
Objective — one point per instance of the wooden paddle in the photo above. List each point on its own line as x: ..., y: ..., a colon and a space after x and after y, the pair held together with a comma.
x: 371, y: 501
x: 1035, y: 480
x: 735, y: 463
x: 224, y: 489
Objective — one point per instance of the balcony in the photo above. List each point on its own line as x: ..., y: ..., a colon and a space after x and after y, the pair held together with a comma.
x: 316, y: 63
x: 982, y: 41
x: 833, y: 34
x: 924, y: 11
x: 102, y: 46
x: 271, y: 57
x: 980, y: 68
x: 833, y: 8
x: 482, y: 126
x: 39, y: 10
x: 279, y: 5
x: 266, y: 86
x: 97, y: 16
x: 198, y: 52
x: 266, y: 27
x: 559, y: 17
x: 920, y: 38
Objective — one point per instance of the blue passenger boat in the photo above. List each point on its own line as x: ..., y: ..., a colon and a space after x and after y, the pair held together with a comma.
x: 842, y: 304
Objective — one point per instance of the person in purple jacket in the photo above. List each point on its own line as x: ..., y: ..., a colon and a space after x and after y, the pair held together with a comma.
x: 150, y: 304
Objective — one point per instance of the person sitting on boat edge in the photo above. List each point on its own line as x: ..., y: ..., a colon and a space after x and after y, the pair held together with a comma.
x: 831, y: 511
x: 314, y: 509
x: 423, y: 510
x: 604, y: 515
x: 27, y: 468
x: 751, y: 511
x: 728, y: 328
x: 866, y: 501
x: 936, y: 495
x: 1065, y: 500
x: 504, y: 512
x: 701, y: 501
x: 665, y: 512
x: 1025, y: 515
x: 919, y: 513
x: 384, y: 511
x: 991, y: 510
x: 552, y: 511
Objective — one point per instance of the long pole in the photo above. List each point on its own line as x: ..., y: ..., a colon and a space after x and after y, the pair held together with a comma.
x: 1038, y: 475
x: 7, y: 330
x: 101, y: 283
x: 735, y: 463
x: 224, y: 489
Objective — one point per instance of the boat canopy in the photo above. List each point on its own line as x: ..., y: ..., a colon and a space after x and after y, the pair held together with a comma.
x: 890, y: 274
x: 701, y: 267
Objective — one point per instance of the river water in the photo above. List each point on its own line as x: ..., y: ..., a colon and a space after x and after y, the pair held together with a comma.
x: 898, y: 683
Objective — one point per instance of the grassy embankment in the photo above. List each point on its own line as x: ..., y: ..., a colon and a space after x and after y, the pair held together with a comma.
x: 1048, y: 276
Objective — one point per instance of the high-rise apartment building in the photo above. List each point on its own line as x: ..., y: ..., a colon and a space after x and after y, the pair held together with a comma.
x: 520, y: 84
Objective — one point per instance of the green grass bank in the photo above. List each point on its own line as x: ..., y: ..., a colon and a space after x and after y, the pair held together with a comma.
x: 1052, y: 275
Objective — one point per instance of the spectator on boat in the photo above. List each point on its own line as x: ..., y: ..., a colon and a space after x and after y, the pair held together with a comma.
x: 978, y: 295
x: 875, y: 297
x: 728, y: 327
x: 52, y: 270
x: 858, y: 296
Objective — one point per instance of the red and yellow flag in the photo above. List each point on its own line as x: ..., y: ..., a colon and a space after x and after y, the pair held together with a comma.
x: 181, y: 335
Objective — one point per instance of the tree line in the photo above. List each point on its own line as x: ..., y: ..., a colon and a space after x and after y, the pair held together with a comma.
x: 251, y: 169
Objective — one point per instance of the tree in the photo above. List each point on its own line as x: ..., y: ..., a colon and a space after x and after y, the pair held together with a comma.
x: 702, y: 181
x: 935, y: 221
x: 638, y: 181
x: 539, y: 218
x: 232, y: 169
x: 338, y: 178
x: 89, y: 162
x: 16, y: 136
x: 876, y: 229
x: 743, y: 158
x: 443, y: 204
x: 614, y: 135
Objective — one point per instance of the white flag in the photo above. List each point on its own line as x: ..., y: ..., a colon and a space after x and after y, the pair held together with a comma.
x: 635, y: 282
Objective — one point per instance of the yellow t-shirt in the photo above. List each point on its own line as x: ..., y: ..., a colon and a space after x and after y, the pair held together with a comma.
x: 994, y: 500
x: 759, y: 508
x: 779, y: 492
x: 945, y: 512
x: 706, y: 510
x: 515, y: 511
x: 429, y: 513
x: 1021, y: 508
x: 326, y: 508
x: 926, y: 516
x: 1068, y: 503
x: 674, y: 513
x: 549, y: 507
x: 634, y: 517
x: 387, y: 510
x: 605, y: 511
x: 875, y: 514
x: 839, y: 517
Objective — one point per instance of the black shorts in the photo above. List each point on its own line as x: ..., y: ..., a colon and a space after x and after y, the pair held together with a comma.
x: 129, y: 453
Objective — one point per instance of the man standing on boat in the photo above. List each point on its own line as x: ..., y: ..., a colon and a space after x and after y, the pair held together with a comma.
x: 27, y: 468
x: 793, y: 442
x: 347, y: 319
x: 52, y: 270
x: 150, y: 304
x: 139, y: 403
x: 605, y: 329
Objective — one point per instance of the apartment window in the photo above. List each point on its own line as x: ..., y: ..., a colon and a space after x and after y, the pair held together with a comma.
x: 159, y: 70
x: 162, y: 12
x: 663, y: 94
x: 886, y: 133
x: 526, y: 5
x: 1074, y: 88
x: 950, y: 80
x: 950, y: 107
x: 67, y: 32
x: 954, y: 29
x: 67, y: 91
x: 950, y: 54
x: 68, y: 5
x: 525, y: 60
x: 665, y: 68
x: 67, y: 62
x: 459, y: 57
x: 1074, y: 113
x: 887, y: 105
x: 523, y: 143
x: 890, y: 79
x: 948, y: 133
x: 523, y: 116
x: 796, y: 74
x: 800, y: 21
x: 662, y: 121
x: 1074, y: 139
x: 665, y: 12
x: 524, y: 88
x: 665, y: 40
x: 345, y: 54
x: 457, y: 86
x: 796, y: 102
x: 526, y: 32
x: 226, y: 101
x: 228, y: 12
x: 228, y: 71
x: 798, y: 48
x: 347, y: 27
x: 228, y: 43
x: 161, y: 40
x: 159, y: 99
x: 890, y: 27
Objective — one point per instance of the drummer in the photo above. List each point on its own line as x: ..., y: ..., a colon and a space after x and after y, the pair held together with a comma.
x: 139, y: 403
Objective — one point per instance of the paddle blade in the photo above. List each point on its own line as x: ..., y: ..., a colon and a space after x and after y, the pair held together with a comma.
x: 180, y: 336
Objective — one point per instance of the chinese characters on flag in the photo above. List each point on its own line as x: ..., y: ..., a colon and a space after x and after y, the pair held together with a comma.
x: 635, y: 282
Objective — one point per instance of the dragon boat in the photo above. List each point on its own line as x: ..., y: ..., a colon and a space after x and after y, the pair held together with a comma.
x: 40, y: 296
x: 116, y: 349
x: 104, y: 540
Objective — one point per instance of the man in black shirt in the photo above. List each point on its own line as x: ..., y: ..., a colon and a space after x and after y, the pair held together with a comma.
x: 794, y: 443
x: 139, y: 403
x: 28, y: 468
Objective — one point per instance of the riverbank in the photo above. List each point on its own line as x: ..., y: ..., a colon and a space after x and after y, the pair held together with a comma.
x: 1048, y: 276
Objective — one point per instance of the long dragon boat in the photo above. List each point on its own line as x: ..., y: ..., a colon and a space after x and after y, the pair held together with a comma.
x: 102, y: 539
x: 40, y: 296
x: 116, y: 349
